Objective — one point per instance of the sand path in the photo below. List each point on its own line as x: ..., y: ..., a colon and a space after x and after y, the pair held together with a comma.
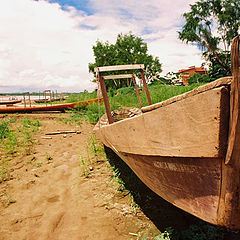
x: 51, y: 198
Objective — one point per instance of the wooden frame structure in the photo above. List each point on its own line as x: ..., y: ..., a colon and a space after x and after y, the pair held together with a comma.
x: 24, y: 98
x: 101, y: 79
x: 49, y: 92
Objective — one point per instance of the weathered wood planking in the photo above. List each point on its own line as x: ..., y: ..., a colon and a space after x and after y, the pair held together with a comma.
x: 119, y: 67
x: 220, y: 82
x: 181, y: 148
x: 120, y: 76
x: 191, y: 127
x: 190, y: 184
x: 229, y: 204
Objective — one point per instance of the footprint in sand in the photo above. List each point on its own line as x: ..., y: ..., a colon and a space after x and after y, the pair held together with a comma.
x: 53, y: 199
x: 63, y: 167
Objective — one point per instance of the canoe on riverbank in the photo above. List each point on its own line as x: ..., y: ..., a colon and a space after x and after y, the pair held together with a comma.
x: 187, y: 148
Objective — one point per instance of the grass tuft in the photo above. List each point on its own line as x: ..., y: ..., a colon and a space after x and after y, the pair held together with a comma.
x: 122, y: 98
x: 16, y: 138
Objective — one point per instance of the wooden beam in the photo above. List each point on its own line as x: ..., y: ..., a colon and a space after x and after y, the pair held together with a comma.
x: 145, y: 87
x: 117, y: 76
x: 229, y: 207
x: 119, y: 67
x: 105, y: 98
x: 137, y: 91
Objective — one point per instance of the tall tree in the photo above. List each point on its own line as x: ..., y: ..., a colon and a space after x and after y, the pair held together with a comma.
x: 128, y: 49
x: 212, y: 24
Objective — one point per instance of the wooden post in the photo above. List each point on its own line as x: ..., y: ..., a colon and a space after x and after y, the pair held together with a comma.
x: 29, y: 99
x: 45, y: 97
x: 229, y: 207
x: 137, y: 91
x: 50, y: 97
x: 145, y: 87
x: 24, y: 100
x: 105, y: 98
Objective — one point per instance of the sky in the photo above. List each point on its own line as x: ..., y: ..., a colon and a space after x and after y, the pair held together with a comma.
x: 47, y: 44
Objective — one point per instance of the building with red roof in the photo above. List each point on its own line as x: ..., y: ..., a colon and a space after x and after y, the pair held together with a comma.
x: 185, y: 74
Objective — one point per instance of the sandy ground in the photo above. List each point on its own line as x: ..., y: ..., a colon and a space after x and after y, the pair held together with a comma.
x: 49, y: 197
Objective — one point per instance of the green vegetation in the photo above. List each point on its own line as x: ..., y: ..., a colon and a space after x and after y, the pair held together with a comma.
x: 76, y: 97
x: 74, y: 116
x: 95, y: 153
x: 202, y: 21
x: 16, y: 138
x: 198, y: 78
x: 128, y: 49
x: 123, y: 98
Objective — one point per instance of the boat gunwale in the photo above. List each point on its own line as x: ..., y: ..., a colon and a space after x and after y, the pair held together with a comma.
x: 215, y: 84
x: 224, y: 81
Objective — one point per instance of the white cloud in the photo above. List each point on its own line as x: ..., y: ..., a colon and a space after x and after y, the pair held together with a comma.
x: 42, y: 46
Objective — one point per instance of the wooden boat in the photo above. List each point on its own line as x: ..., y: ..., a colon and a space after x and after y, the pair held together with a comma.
x: 42, y: 100
x: 10, y: 101
x: 37, y: 108
x: 187, y: 148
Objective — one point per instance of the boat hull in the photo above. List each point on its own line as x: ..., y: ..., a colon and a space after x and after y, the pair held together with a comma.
x: 178, y: 150
x: 10, y: 102
x: 38, y: 108
x: 191, y: 184
x: 187, y: 148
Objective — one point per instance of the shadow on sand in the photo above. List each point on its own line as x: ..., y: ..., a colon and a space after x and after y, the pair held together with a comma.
x: 162, y: 213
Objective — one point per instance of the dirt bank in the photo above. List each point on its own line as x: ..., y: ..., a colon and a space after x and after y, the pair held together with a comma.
x: 63, y: 191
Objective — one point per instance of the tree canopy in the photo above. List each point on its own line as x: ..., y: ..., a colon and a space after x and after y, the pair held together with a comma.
x: 128, y: 49
x: 212, y: 24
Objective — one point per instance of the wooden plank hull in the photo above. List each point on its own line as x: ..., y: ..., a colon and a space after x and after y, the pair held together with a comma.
x: 190, y: 184
x: 193, y: 127
x: 37, y: 108
x: 178, y: 151
x: 187, y: 148
x: 10, y: 102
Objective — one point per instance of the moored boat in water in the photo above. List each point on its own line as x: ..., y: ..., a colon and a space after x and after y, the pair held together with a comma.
x: 187, y: 148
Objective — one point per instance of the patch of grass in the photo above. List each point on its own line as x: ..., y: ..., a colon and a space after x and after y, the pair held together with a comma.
x: 6, y: 199
x: 49, y: 158
x: 166, y: 235
x: 95, y: 153
x: 38, y: 164
x: 122, y: 98
x: 76, y: 97
x: 74, y: 117
x: 199, y: 231
x: 16, y: 138
x: 84, y: 165
x: 135, y: 207
x: 4, y: 172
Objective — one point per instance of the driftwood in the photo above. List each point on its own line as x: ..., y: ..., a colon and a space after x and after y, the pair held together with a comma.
x: 62, y: 132
x: 44, y: 137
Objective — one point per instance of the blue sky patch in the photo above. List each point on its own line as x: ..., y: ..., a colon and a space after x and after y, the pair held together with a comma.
x: 82, y: 5
x: 146, y: 31
x: 85, y: 26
